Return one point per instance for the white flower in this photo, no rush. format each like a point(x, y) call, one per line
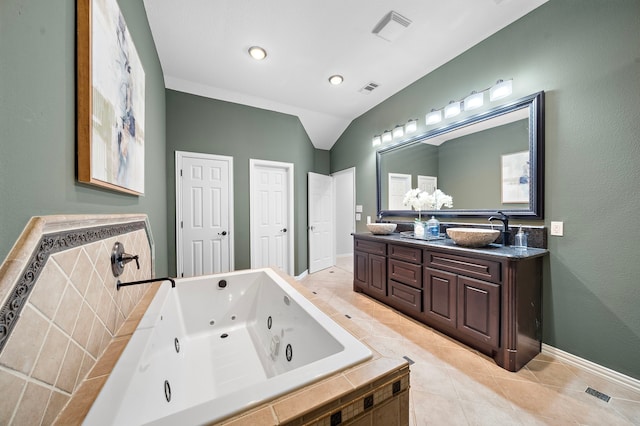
point(422, 200)
point(439, 199)
point(415, 199)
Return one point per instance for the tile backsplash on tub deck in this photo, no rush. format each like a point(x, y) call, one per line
point(60, 308)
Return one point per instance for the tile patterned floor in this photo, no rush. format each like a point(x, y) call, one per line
point(452, 384)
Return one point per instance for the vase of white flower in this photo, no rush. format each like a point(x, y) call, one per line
point(417, 200)
point(420, 200)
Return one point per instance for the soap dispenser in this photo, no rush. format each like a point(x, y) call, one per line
point(433, 227)
point(520, 240)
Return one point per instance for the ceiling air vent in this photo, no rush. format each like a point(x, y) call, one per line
point(369, 87)
point(391, 26)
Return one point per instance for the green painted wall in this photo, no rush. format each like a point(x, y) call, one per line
point(585, 54)
point(37, 122)
point(198, 124)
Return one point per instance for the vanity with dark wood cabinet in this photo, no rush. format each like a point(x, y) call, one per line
point(488, 298)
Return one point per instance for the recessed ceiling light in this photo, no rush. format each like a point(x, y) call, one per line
point(257, 53)
point(336, 79)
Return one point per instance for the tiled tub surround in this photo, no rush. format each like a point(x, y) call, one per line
point(61, 308)
point(371, 393)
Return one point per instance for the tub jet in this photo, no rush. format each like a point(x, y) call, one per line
point(167, 391)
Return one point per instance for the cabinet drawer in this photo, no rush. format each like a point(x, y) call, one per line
point(408, 254)
point(405, 272)
point(404, 297)
point(477, 268)
point(371, 247)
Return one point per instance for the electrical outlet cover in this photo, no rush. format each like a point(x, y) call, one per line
point(557, 229)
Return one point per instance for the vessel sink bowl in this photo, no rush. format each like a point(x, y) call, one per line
point(472, 237)
point(381, 228)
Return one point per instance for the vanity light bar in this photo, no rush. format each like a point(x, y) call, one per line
point(475, 100)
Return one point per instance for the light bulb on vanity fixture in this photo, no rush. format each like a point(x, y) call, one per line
point(473, 101)
point(434, 117)
point(500, 90)
point(398, 131)
point(377, 140)
point(411, 126)
point(452, 109)
point(387, 136)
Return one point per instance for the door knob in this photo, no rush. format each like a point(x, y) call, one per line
point(283, 230)
point(222, 233)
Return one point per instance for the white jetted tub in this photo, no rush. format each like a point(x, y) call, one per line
point(217, 345)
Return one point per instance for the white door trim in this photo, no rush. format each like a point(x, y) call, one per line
point(253, 163)
point(178, 162)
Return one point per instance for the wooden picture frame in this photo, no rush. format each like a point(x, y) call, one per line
point(110, 100)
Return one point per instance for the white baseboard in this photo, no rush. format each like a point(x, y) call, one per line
point(592, 367)
point(302, 275)
point(345, 255)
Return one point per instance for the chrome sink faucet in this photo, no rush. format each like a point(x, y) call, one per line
point(505, 226)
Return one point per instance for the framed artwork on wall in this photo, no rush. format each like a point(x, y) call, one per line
point(110, 100)
point(515, 177)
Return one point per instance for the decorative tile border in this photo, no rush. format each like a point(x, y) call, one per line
point(50, 244)
point(368, 402)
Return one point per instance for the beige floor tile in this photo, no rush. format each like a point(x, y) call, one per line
point(482, 413)
point(433, 409)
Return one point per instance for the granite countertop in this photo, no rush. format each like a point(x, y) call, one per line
point(493, 250)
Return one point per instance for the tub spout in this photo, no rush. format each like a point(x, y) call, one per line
point(152, 280)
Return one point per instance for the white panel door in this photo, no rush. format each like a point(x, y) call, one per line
point(399, 184)
point(204, 217)
point(271, 215)
point(321, 224)
point(428, 183)
point(344, 189)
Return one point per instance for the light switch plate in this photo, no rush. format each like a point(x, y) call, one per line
point(358, 208)
point(557, 229)
point(358, 216)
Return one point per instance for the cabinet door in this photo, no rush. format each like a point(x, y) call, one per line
point(360, 268)
point(479, 310)
point(439, 296)
point(378, 274)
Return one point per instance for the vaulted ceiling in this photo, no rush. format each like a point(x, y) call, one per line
point(203, 44)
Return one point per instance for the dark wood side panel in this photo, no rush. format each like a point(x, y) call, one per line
point(476, 268)
point(404, 272)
